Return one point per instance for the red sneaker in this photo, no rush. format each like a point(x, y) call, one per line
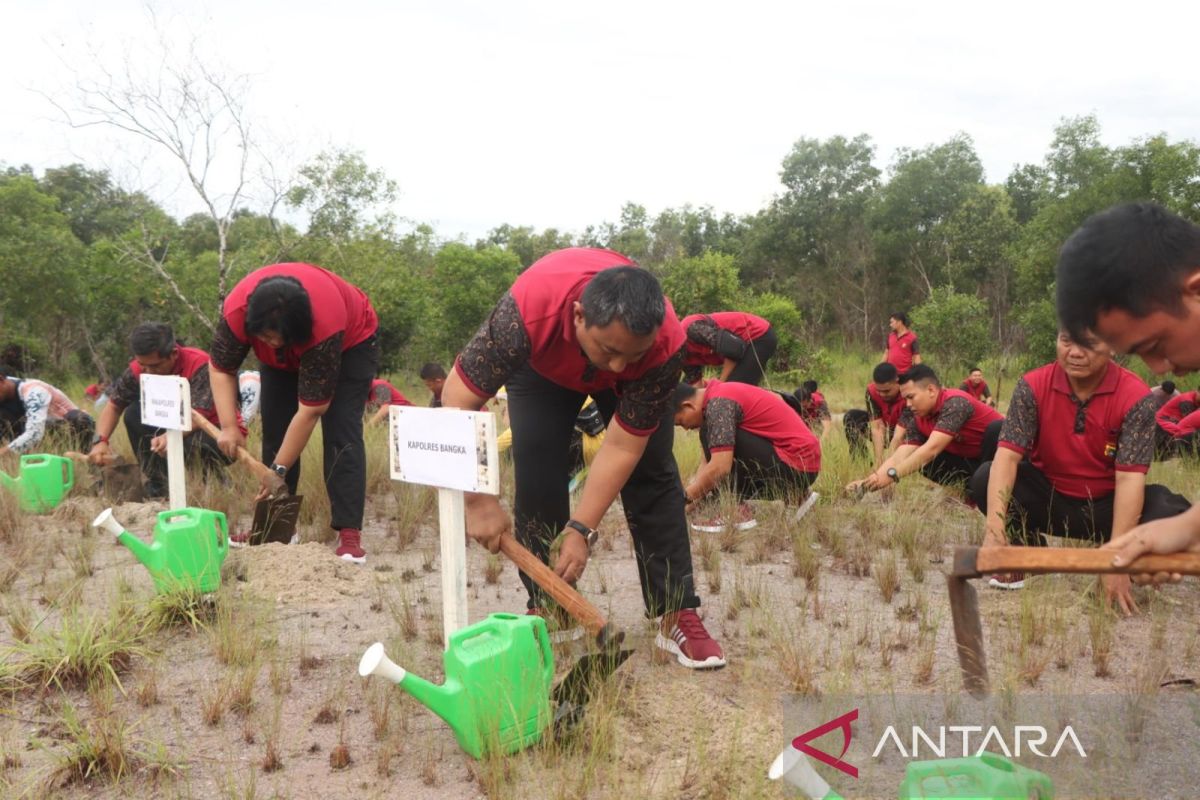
point(239, 539)
point(686, 638)
point(1007, 580)
point(350, 546)
point(743, 520)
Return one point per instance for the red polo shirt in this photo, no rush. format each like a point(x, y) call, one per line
point(337, 307)
point(746, 327)
point(815, 410)
point(950, 416)
point(763, 413)
point(901, 349)
point(1175, 410)
point(190, 363)
point(976, 390)
point(384, 394)
point(887, 411)
point(1042, 424)
point(544, 297)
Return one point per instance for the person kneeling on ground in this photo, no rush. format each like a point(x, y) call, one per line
point(1177, 424)
point(315, 336)
point(814, 410)
point(383, 395)
point(752, 436)
point(885, 404)
point(977, 387)
point(45, 409)
point(586, 321)
point(1072, 459)
point(739, 343)
point(155, 352)
point(947, 434)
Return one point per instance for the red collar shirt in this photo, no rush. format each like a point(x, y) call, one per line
point(729, 407)
point(882, 409)
point(190, 363)
point(1175, 410)
point(384, 394)
point(901, 349)
point(534, 324)
point(1078, 446)
point(958, 414)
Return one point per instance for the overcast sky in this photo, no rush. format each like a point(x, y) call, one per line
point(554, 114)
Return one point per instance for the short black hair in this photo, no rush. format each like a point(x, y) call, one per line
point(1168, 387)
point(1132, 257)
point(974, 369)
point(900, 317)
point(885, 373)
point(683, 392)
point(152, 337)
point(279, 304)
point(921, 373)
point(803, 393)
point(810, 385)
point(629, 295)
point(432, 371)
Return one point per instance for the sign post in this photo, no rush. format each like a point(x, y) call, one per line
point(456, 452)
point(167, 404)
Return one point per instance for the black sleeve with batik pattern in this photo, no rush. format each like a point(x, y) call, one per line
point(704, 332)
point(1135, 446)
point(1020, 426)
point(908, 421)
point(319, 368)
point(643, 402)
point(125, 390)
point(499, 348)
point(954, 414)
point(227, 353)
point(722, 417)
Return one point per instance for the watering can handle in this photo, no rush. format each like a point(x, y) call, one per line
point(223, 539)
point(69, 477)
point(572, 601)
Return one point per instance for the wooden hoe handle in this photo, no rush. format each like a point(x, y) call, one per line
point(563, 593)
point(977, 561)
point(243, 455)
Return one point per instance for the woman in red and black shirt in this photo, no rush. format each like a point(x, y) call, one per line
point(315, 335)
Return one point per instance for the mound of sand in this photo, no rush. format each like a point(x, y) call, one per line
point(299, 574)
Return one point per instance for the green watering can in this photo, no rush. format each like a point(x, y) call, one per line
point(189, 546)
point(983, 776)
point(496, 696)
point(43, 482)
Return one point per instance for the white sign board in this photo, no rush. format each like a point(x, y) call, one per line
point(166, 402)
point(446, 448)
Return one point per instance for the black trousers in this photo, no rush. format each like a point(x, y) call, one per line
point(758, 471)
point(1167, 446)
point(1035, 508)
point(753, 363)
point(857, 423)
point(947, 468)
point(77, 428)
point(198, 447)
point(345, 467)
point(542, 415)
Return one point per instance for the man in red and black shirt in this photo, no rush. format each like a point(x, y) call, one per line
point(977, 387)
point(882, 415)
point(1177, 424)
point(752, 435)
point(315, 336)
point(902, 349)
point(586, 321)
point(155, 352)
point(382, 395)
point(1073, 457)
point(739, 343)
point(947, 434)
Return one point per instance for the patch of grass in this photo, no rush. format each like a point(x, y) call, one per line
point(1101, 632)
point(103, 748)
point(85, 649)
point(806, 561)
point(887, 577)
point(240, 631)
point(493, 568)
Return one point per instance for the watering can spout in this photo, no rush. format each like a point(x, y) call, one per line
point(445, 701)
point(149, 555)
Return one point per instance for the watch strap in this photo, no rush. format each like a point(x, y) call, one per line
point(589, 534)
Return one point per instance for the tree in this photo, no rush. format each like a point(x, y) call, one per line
point(954, 330)
point(189, 110)
point(339, 191)
point(701, 285)
point(466, 283)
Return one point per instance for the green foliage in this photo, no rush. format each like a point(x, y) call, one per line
point(795, 356)
point(1039, 321)
point(466, 283)
point(954, 331)
point(701, 285)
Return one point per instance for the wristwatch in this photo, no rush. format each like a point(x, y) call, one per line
point(891, 473)
point(589, 534)
point(280, 470)
point(98, 439)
